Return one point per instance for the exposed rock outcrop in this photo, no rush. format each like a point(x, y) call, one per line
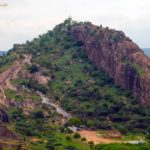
point(3, 115)
point(118, 56)
point(6, 134)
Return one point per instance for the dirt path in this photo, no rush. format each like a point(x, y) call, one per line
point(10, 74)
point(5, 78)
point(7, 75)
point(59, 110)
point(96, 138)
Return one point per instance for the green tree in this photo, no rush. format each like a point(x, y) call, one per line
point(75, 121)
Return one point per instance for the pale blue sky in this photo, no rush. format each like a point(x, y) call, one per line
point(25, 19)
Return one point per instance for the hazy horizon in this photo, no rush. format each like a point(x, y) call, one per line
point(25, 20)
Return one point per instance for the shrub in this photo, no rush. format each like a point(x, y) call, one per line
point(62, 129)
point(33, 69)
point(77, 135)
point(75, 121)
point(91, 143)
point(19, 147)
point(116, 37)
point(83, 139)
point(148, 137)
point(38, 114)
point(90, 123)
point(122, 129)
point(68, 138)
point(38, 87)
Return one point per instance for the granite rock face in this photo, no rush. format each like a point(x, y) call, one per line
point(118, 56)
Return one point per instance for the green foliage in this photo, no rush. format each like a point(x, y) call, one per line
point(148, 137)
point(70, 148)
point(6, 61)
point(15, 113)
point(32, 84)
point(136, 67)
point(123, 147)
point(116, 37)
point(38, 114)
point(33, 125)
point(57, 140)
point(11, 94)
point(91, 143)
point(75, 121)
point(83, 139)
point(77, 135)
point(33, 69)
point(18, 82)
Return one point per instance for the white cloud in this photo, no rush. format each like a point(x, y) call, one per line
point(26, 19)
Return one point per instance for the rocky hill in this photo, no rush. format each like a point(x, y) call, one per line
point(76, 74)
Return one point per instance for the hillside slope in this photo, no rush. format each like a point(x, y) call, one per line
point(77, 84)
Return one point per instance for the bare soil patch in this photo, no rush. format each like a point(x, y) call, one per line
point(96, 137)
